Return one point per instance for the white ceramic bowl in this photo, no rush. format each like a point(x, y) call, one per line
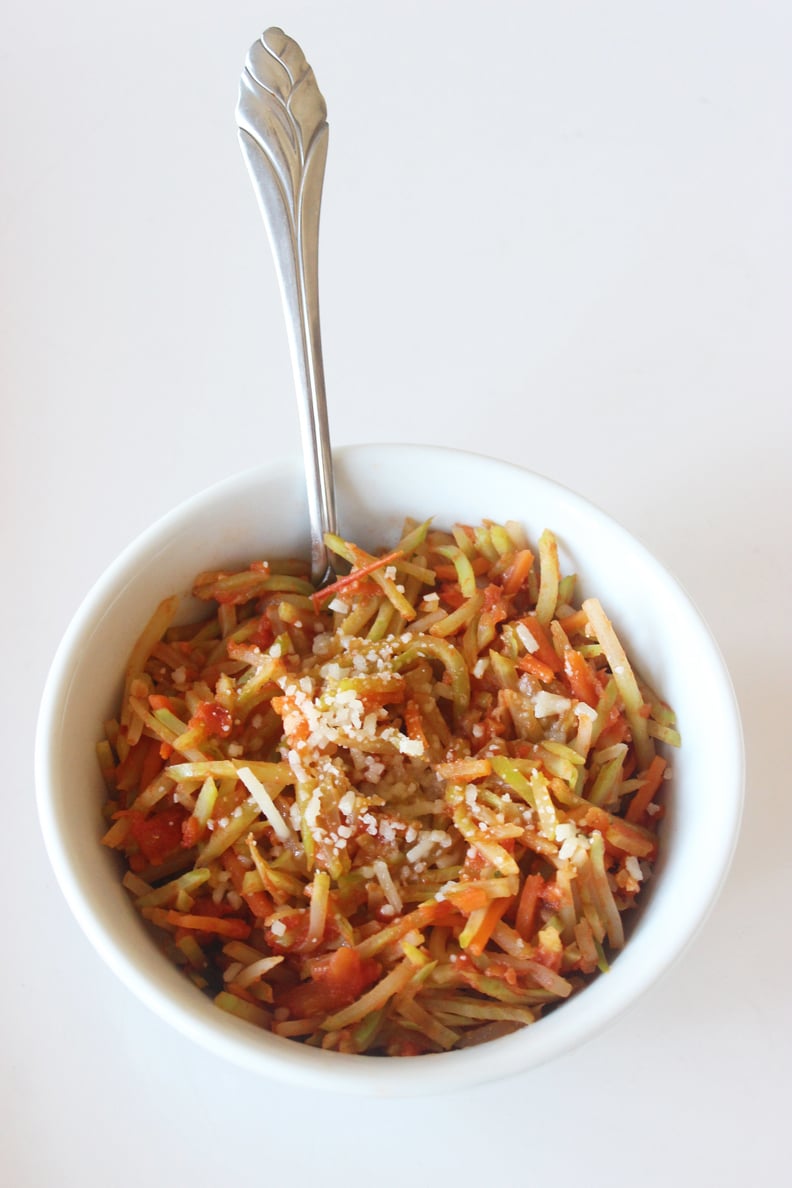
point(262, 513)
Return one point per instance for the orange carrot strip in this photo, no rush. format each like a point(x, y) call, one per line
point(574, 623)
point(495, 910)
point(160, 701)
point(433, 912)
point(152, 764)
point(464, 769)
point(237, 929)
point(321, 596)
point(467, 899)
point(127, 773)
point(579, 678)
point(192, 829)
point(645, 795)
point(537, 668)
point(260, 904)
point(525, 921)
point(517, 575)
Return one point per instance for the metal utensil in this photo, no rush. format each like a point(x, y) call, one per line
point(283, 131)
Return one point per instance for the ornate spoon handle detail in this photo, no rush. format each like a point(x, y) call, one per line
point(282, 120)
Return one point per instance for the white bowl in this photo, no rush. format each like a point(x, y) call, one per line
point(262, 513)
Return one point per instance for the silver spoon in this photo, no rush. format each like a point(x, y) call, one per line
point(282, 121)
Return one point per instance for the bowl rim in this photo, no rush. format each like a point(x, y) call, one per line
point(285, 1059)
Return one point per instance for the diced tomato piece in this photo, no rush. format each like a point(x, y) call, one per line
point(451, 595)
point(494, 605)
point(213, 718)
point(295, 934)
point(204, 905)
point(537, 668)
point(264, 635)
point(336, 981)
point(159, 835)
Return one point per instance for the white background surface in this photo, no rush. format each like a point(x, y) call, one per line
point(555, 233)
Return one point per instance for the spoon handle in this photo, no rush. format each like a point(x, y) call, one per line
point(282, 120)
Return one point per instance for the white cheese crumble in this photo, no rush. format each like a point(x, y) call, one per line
point(546, 705)
point(633, 867)
point(582, 710)
point(346, 804)
point(526, 638)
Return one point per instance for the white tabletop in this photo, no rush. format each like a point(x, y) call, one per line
point(559, 234)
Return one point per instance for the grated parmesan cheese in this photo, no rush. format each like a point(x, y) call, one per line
point(548, 705)
point(526, 638)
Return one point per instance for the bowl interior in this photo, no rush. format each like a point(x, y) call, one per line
point(262, 514)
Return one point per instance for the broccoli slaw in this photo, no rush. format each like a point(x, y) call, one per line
point(398, 815)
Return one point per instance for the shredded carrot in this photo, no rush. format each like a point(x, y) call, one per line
point(545, 650)
point(647, 792)
point(536, 667)
point(464, 769)
point(468, 899)
point(237, 929)
point(579, 678)
point(517, 575)
point(575, 623)
point(495, 910)
point(351, 579)
point(152, 763)
point(525, 920)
